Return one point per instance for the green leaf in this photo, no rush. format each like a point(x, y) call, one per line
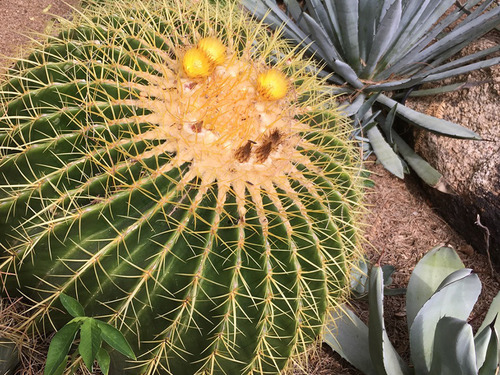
point(318, 11)
point(72, 305)
point(387, 271)
point(388, 123)
point(414, 34)
point(422, 168)
point(59, 347)
point(90, 342)
point(276, 18)
point(103, 360)
point(461, 70)
point(348, 21)
point(115, 339)
point(346, 72)
point(346, 334)
point(324, 42)
point(428, 122)
point(453, 348)
point(491, 359)
point(464, 60)
point(262, 11)
point(383, 38)
point(394, 291)
point(454, 298)
point(386, 360)
point(294, 9)
point(385, 153)
point(61, 368)
point(367, 29)
point(404, 83)
point(366, 108)
point(465, 32)
point(359, 277)
point(352, 108)
point(427, 276)
point(439, 90)
point(369, 120)
point(492, 314)
point(429, 16)
point(454, 277)
point(481, 342)
point(331, 12)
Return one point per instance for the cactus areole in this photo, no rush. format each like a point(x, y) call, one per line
point(177, 169)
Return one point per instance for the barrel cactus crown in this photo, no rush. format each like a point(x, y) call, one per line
point(175, 167)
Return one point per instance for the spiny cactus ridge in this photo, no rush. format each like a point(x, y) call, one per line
point(210, 216)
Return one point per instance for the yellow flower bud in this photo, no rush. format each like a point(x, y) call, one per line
point(196, 63)
point(272, 85)
point(214, 49)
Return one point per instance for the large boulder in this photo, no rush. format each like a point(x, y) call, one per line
point(471, 168)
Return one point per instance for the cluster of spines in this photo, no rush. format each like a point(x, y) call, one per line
point(71, 172)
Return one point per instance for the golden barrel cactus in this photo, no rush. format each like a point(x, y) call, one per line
point(178, 169)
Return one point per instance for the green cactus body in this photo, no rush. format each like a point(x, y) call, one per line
point(212, 224)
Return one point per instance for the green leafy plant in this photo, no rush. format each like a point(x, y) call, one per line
point(178, 170)
point(360, 284)
point(374, 47)
point(92, 334)
point(440, 297)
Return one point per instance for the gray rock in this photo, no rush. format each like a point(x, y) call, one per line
point(471, 168)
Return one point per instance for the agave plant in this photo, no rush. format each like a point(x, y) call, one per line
point(440, 296)
point(374, 47)
point(177, 170)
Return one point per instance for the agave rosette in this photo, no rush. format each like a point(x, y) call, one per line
point(376, 47)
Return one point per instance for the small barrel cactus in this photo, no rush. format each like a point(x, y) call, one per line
point(177, 168)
